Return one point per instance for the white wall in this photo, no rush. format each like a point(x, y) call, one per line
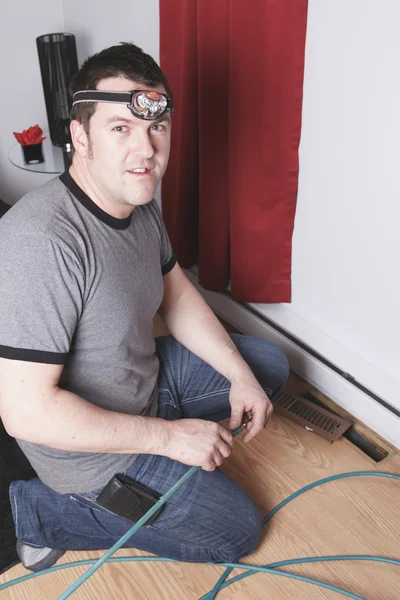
point(97, 26)
point(22, 102)
point(94, 28)
point(346, 250)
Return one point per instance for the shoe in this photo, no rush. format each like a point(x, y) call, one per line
point(37, 559)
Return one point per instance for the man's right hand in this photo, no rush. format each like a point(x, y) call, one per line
point(198, 443)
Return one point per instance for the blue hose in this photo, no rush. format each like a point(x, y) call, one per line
point(222, 582)
point(253, 568)
point(219, 585)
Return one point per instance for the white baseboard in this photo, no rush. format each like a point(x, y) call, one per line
point(355, 401)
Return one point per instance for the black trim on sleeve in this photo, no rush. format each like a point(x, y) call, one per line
point(88, 203)
point(170, 265)
point(38, 356)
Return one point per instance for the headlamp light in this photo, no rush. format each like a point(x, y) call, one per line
point(143, 104)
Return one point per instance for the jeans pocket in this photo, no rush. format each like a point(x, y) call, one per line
point(90, 495)
point(139, 467)
point(88, 501)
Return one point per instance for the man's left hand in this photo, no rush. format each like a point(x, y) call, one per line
point(251, 399)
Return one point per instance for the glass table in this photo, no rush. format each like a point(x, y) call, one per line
point(56, 160)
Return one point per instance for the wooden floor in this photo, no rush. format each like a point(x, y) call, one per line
point(353, 516)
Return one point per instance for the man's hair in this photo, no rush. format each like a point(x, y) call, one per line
point(125, 60)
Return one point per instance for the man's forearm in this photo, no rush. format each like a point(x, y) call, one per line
point(66, 421)
point(192, 322)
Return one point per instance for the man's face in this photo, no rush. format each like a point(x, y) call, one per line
point(119, 144)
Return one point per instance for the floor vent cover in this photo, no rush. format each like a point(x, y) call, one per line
point(319, 420)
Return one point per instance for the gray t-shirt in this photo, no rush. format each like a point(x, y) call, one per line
point(79, 287)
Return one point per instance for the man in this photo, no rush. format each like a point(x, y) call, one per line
point(84, 388)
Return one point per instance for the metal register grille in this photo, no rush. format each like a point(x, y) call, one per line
point(314, 418)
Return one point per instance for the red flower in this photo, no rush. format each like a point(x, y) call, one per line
point(33, 135)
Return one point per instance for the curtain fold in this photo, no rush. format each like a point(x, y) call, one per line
point(229, 193)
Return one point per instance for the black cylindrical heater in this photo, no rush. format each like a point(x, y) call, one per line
point(58, 62)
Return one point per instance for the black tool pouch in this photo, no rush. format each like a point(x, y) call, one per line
point(126, 498)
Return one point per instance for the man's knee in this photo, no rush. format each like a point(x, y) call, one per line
point(269, 364)
point(243, 536)
point(282, 367)
point(277, 367)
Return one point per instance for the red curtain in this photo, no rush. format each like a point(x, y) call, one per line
point(229, 193)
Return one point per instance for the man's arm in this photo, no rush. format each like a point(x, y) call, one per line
point(35, 409)
point(192, 322)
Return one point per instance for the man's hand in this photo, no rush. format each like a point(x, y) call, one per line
point(199, 443)
point(251, 399)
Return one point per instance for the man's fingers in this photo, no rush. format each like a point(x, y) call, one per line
point(236, 417)
point(226, 436)
point(214, 461)
point(270, 410)
point(257, 422)
point(225, 450)
point(218, 458)
point(208, 466)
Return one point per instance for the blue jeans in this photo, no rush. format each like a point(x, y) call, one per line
point(210, 518)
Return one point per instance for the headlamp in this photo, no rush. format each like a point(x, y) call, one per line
point(143, 104)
